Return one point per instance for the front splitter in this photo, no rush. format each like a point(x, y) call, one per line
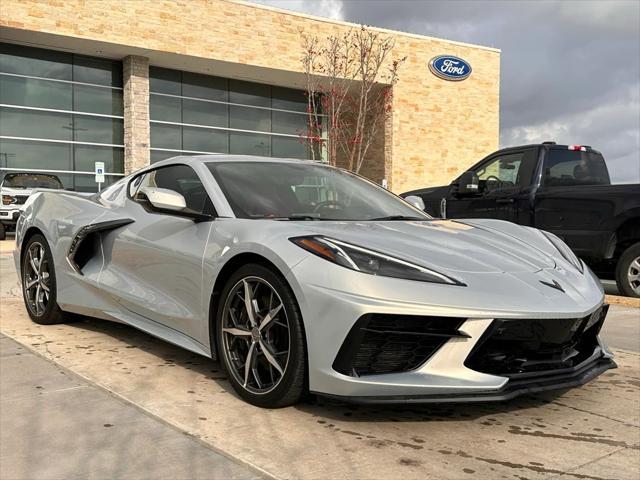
point(514, 388)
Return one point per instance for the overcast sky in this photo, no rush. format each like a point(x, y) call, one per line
point(570, 69)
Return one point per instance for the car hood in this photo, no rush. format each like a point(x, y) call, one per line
point(477, 246)
point(429, 192)
point(25, 192)
point(16, 191)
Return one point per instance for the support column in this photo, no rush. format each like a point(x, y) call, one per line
point(135, 72)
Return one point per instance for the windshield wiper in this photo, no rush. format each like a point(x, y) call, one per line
point(298, 217)
point(397, 217)
point(301, 216)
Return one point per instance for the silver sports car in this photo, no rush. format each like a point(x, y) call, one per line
point(300, 277)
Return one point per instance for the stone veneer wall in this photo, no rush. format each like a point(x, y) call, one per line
point(135, 71)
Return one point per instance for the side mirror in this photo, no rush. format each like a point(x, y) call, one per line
point(468, 184)
point(164, 199)
point(415, 201)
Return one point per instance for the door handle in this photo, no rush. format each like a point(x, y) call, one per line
point(505, 200)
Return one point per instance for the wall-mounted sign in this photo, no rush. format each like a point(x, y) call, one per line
point(449, 67)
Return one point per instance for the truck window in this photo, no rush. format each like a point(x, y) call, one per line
point(566, 168)
point(508, 170)
point(31, 180)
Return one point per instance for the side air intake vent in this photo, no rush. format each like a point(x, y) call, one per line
point(84, 244)
point(381, 343)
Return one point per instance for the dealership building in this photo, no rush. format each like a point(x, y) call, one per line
point(129, 83)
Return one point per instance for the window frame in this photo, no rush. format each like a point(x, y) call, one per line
point(75, 74)
point(174, 88)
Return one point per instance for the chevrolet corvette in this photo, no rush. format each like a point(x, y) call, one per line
point(300, 277)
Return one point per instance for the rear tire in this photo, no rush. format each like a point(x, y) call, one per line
point(628, 271)
point(261, 341)
point(39, 288)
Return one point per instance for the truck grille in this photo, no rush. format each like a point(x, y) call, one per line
point(20, 199)
point(380, 343)
point(536, 346)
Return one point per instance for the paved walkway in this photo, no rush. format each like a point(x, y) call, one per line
point(54, 425)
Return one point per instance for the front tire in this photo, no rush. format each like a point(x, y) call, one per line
point(39, 288)
point(628, 271)
point(3, 231)
point(260, 338)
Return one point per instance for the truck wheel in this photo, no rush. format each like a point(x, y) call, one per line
point(628, 271)
point(3, 234)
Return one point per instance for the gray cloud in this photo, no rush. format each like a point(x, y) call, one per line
point(570, 69)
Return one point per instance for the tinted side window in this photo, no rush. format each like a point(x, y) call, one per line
point(179, 178)
point(570, 167)
point(508, 170)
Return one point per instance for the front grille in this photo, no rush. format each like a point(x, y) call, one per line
point(20, 199)
point(536, 346)
point(380, 343)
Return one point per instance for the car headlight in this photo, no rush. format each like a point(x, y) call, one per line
point(565, 251)
point(368, 261)
point(8, 199)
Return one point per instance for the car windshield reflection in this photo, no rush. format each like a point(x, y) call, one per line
point(306, 192)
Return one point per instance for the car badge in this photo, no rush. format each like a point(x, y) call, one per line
point(555, 285)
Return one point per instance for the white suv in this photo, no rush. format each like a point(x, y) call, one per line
point(15, 189)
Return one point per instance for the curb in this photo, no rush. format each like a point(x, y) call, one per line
point(623, 301)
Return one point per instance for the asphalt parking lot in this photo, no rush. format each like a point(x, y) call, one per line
point(590, 433)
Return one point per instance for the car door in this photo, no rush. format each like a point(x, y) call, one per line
point(155, 263)
point(504, 188)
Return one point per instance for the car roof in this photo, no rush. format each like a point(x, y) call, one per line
point(549, 145)
point(224, 158)
point(248, 158)
point(191, 160)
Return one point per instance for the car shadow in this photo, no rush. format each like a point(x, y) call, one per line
point(326, 410)
point(166, 352)
point(426, 412)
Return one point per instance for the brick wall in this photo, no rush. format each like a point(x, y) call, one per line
point(438, 128)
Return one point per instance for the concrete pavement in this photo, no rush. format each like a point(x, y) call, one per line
point(55, 425)
point(592, 432)
point(622, 328)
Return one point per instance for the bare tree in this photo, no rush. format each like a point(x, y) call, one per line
point(350, 81)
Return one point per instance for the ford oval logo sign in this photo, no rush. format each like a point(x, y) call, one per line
point(449, 67)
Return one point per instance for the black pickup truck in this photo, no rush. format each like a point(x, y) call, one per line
point(564, 189)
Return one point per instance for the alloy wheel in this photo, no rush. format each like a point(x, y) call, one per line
point(633, 275)
point(256, 335)
point(36, 281)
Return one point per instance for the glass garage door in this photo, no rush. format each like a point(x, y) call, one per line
point(60, 113)
point(194, 114)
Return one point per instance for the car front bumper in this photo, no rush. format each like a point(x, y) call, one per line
point(9, 215)
point(333, 300)
point(513, 388)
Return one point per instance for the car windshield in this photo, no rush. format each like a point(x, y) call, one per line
point(28, 180)
point(306, 191)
